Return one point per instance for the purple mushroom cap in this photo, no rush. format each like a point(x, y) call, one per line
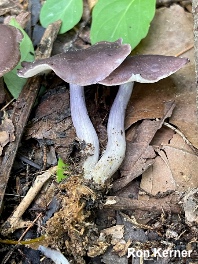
point(144, 69)
point(9, 48)
point(82, 67)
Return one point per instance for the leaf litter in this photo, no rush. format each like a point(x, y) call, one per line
point(168, 165)
point(158, 153)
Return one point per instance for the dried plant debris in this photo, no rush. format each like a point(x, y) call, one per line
point(11, 7)
point(120, 246)
point(169, 174)
point(191, 206)
point(139, 154)
point(166, 37)
point(72, 229)
point(168, 166)
point(15, 221)
point(52, 123)
point(6, 131)
point(69, 229)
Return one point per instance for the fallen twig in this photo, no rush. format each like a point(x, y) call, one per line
point(15, 221)
point(122, 203)
point(183, 137)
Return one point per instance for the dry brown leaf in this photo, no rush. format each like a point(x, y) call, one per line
point(139, 155)
point(185, 115)
point(120, 246)
point(6, 133)
point(52, 121)
point(162, 137)
point(175, 169)
point(183, 165)
point(158, 178)
point(117, 233)
point(171, 32)
point(147, 101)
point(190, 206)
point(4, 139)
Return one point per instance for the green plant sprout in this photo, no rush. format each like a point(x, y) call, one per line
point(111, 20)
point(62, 170)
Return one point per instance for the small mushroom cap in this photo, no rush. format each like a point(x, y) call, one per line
point(82, 67)
point(9, 48)
point(144, 69)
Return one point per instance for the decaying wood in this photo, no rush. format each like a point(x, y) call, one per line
point(46, 44)
point(23, 107)
point(122, 203)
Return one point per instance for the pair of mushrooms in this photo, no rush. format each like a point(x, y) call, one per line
point(9, 48)
point(105, 63)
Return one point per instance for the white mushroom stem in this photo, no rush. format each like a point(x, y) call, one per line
point(116, 146)
point(84, 127)
point(54, 255)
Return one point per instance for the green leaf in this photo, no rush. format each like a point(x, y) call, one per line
point(62, 167)
point(68, 11)
point(12, 80)
point(126, 19)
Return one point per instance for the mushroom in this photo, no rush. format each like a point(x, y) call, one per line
point(54, 255)
point(80, 68)
point(9, 48)
point(139, 68)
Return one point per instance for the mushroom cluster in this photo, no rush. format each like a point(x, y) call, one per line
point(9, 48)
point(105, 63)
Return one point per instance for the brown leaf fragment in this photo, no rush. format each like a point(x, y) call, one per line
point(51, 107)
point(158, 178)
point(52, 122)
point(191, 206)
point(6, 133)
point(185, 114)
point(162, 137)
point(184, 167)
point(147, 101)
point(121, 247)
point(174, 169)
point(4, 139)
point(166, 38)
point(117, 233)
point(139, 155)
